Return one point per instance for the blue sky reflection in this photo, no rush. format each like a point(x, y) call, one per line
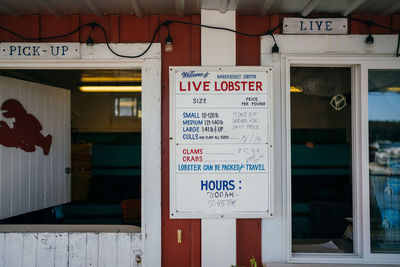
point(384, 106)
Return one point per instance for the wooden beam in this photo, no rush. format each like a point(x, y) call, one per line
point(137, 8)
point(309, 7)
point(355, 4)
point(233, 4)
point(223, 5)
point(50, 7)
point(180, 7)
point(391, 9)
point(6, 8)
point(266, 7)
point(94, 8)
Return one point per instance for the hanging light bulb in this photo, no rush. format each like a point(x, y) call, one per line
point(89, 40)
point(275, 53)
point(168, 44)
point(369, 41)
point(369, 44)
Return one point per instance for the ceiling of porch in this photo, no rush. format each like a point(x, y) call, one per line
point(182, 7)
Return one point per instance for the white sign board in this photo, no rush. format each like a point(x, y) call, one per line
point(40, 51)
point(221, 157)
point(315, 26)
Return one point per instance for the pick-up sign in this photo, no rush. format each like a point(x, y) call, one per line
point(39, 51)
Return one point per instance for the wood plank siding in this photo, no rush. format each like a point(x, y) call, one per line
point(118, 249)
point(69, 249)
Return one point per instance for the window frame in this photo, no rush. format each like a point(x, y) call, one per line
point(114, 96)
point(360, 172)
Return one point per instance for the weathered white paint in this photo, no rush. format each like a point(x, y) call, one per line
point(87, 252)
point(315, 26)
point(100, 51)
point(354, 45)
point(37, 51)
point(69, 249)
point(218, 48)
point(31, 180)
point(323, 51)
point(151, 162)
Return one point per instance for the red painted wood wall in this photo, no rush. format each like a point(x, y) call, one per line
point(129, 29)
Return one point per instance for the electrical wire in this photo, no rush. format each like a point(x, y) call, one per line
point(166, 23)
point(128, 56)
point(47, 37)
point(372, 23)
point(398, 46)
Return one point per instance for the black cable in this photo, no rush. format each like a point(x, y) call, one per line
point(398, 46)
point(372, 23)
point(269, 32)
point(126, 56)
point(47, 37)
point(166, 23)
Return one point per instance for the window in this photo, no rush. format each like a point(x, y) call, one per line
point(384, 159)
point(321, 168)
point(345, 157)
point(127, 107)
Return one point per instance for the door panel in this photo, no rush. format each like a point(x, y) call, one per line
point(34, 146)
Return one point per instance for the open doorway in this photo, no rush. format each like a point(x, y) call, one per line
point(106, 147)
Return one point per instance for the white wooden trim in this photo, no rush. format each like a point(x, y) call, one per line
point(339, 51)
point(363, 218)
point(218, 48)
point(356, 142)
point(313, 45)
point(360, 170)
point(99, 57)
point(151, 162)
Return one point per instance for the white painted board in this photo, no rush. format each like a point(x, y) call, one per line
point(220, 142)
point(30, 179)
point(315, 26)
point(69, 249)
point(29, 51)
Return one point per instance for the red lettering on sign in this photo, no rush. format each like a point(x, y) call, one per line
point(258, 86)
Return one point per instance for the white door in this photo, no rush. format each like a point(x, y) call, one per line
point(35, 146)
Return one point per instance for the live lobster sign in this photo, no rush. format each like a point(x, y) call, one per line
point(221, 148)
point(26, 131)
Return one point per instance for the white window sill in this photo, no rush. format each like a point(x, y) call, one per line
point(52, 228)
point(320, 265)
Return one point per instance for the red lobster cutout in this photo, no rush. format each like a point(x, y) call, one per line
point(26, 131)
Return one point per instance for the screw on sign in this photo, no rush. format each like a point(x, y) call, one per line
point(26, 131)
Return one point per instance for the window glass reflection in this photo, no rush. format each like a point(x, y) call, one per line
point(384, 159)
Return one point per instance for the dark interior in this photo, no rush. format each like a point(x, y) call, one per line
point(321, 160)
point(105, 165)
